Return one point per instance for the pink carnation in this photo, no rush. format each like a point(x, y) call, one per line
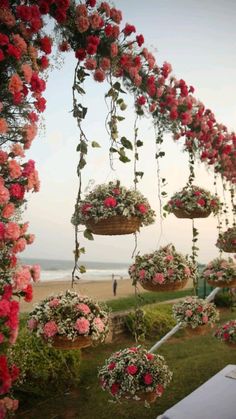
point(3, 126)
point(50, 329)
point(90, 64)
point(8, 210)
point(142, 273)
point(159, 278)
point(19, 245)
point(15, 84)
point(35, 272)
point(169, 258)
point(188, 313)
point(17, 150)
point(99, 75)
point(12, 231)
point(110, 202)
point(82, 325)
point(14, 169)
point(99, 324)
point(205, 319)
point(142, 208)
point(131, 369)
point(82, 24)
point(54, 303)
point(32, 324)
point(27, 72)
point(84, 308)
point(148, 379)
point(187, 271)
point(22, 278)
point(5, 307)
point(4, 195)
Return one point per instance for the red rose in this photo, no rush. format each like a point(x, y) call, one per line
point(13, 51)
point(148, 379)
point(111, 366)
point(80, 54)
point(140, 40)
point(110, 202)
point(132, 369)
point(115, 388)
point(129, 29)
point(141, 100)
point(40, 104)
point(142, 208)
point(37, 85)
point(85, 208)
point(46, 45)
point(201, 202)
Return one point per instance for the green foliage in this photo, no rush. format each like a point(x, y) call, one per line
point(44, 370)
point(158, 320)
point(223, 299)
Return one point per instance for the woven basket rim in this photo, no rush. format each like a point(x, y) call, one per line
point(62, 342)
point(222, 284)
point(114, 225)
point(196, 213)
point(164, 286)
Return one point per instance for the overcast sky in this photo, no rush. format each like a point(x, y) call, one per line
point(199, 39)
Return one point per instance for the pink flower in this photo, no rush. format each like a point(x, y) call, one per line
point(90, 64)
point(148, 379)
point(199, 309)
point(54, 303)
point(205, 319)
point(12, 231)
point(15, 84)
point(105, 64)
point(5, 307)
point(219, 274)
point(142, 208)
point(4, 195)
point(19, 245)
point(116, 15)
point(159, 278)
point(201, 202)
point(14, 169)
point(169, 258)
point(17, 150)
point(8, 210)
point(111, 366)
point(98, 323)
point(131, 369)
point(188, 313)
point(95, 21)
point(22, 278)
point(50, 329)
point(32, 324)
point(207, 272)
point(84, 308)
point(27, 71)
point(99, 75)
point(150, 357)
point(85, 208)
point(187, 271)
point(82, 325)
point(170, 272)
point(114, 50)
point(141, 100)
point(142, 274)
point(3, 126)
point(110, 202)
point(35, 272)
point(82, 24)
point(159, 389)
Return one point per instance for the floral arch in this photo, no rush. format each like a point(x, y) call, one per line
point(105, 49)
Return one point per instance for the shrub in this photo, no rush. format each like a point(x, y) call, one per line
point(44, 369)
point(223, 299)
point(158, 320)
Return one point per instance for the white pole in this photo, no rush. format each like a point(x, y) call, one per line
point(178, 325)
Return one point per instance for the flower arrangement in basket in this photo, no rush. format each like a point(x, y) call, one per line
point(227, 333)
point(163, 270)
point(195, 314)
point(221, 273)
point(227, 240)
point(134, 373)
point(193, 202)
point(113, 209)
point(69, 321)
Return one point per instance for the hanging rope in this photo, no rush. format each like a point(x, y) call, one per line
point(161, 182)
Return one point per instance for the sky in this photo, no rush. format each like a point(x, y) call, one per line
point(198, 38)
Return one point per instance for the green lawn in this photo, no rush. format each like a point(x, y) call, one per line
point(146, 298)
point(192, 361)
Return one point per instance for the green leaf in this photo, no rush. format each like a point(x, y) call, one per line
point(95, 144)
point(139, 174)
point(82, 269)
point(120, 118)
point(117, 86)
point(124, 159)
point(139, 143)
point(82, 146)
point(113, 150)
point(81, 164)
point(88, 235)
point(82, 250)
point(126, 143)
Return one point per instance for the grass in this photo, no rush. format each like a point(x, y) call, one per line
point(192, 360)
point(121, 304)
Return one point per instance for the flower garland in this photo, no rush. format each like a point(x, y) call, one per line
point(194, 312)
point(103, 47)
point(134, 372)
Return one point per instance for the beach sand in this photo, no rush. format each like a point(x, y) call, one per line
point(100, 290)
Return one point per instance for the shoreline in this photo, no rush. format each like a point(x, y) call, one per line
point(96, 289)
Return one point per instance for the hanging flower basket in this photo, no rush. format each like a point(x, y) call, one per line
point(69, 321)
point(196, 315)
point(116, 225)
point(227, 240)
point(163, 270)
point(134, 373)
point(221, 273)
point(227, 333)
point(113, 209)
point(193, 202)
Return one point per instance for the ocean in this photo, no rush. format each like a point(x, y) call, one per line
point(60, 270)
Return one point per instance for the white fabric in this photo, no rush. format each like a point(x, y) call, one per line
point(215, 399)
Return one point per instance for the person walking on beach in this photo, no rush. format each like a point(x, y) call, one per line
point(114, 287)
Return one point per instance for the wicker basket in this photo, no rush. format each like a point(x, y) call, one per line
point(198, 213)
point(114, 226)
point(222, 284)
point(61, 342)
point(198, 331)
point(149, 397)
point(169, 286)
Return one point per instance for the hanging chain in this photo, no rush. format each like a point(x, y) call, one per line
point(161, 182)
